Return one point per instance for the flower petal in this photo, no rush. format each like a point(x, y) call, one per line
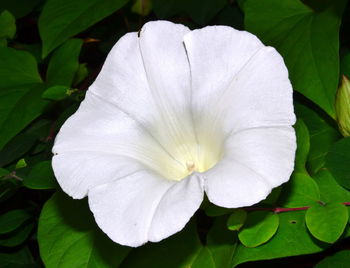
point(166, 63)
point(256, 160)
point(168, 74)
point(77, 172)
point(120, 116)
point(144, 207)
point(147, 77)
point(123, 82)
point(100, 143)
point(234, 74)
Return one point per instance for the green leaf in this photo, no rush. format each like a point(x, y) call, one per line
point(18, 259)
point(3, 172)
point(41, 177)
point(40, 128)
point(19, 8)
point(3, 42)
point(204, 259)
point(18, 68)
point(338, 260)
point(20, 92)
point(69, 237)
point(203, 11)
point(7, 25)
point(34, 49)
point(337, 161)
point(236, 219)
point(55, 93)
point(81, 73)
point(61, 19)
point(16, 237)
point(221, 243)
point(167, 253)
point(64, 63)
point(300, 191)
point(12, 220)
point(21, 164)
point(330, 190)
point(259, 228)
point(272, 198)
point(311, 55)
point(303, 146)
point(16, 148)
point(41, 147)
point(327, 222)
point(8, 187)
point(321, 133)
point(291, 239)
point(179, 250)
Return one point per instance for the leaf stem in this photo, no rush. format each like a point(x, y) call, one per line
point(279, 209)
point(12, 175)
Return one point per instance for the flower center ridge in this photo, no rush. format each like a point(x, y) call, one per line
point(184, 156)
point(181, 145)
point(194, 158)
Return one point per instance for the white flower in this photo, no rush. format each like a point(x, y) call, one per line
point(175, 113)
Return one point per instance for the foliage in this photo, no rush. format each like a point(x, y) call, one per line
point(52, 50)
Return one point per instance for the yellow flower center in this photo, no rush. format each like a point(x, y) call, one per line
point(187, 150)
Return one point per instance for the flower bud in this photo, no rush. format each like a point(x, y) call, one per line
point(342, 106)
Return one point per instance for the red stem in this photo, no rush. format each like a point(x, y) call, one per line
point(279, 210)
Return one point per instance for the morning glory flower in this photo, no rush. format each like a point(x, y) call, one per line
point(174, 114)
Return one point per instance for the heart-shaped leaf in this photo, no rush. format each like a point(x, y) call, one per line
point(259, 228)
point(327, 222)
